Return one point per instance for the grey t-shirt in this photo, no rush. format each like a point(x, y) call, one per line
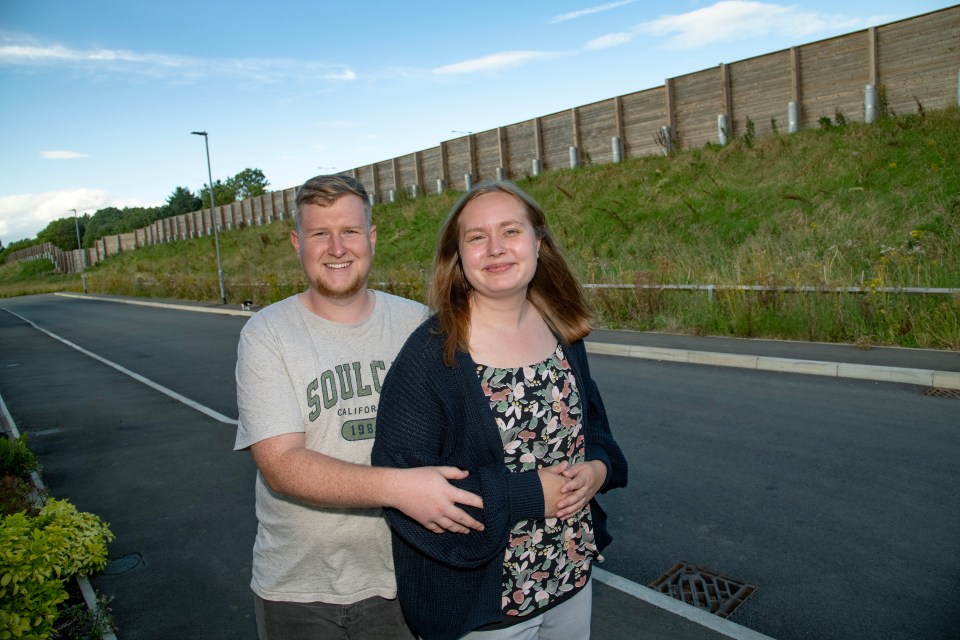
point(298, 372)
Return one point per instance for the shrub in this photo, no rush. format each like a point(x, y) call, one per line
point(16, 458)
point(36, 555)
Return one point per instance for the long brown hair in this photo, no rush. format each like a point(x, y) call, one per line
point(554, 291)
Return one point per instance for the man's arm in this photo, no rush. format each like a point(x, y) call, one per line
point(423, 493)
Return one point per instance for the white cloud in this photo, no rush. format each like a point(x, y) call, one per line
point(346, 75)
point(62, 155)
point(573, 15)
point(496, 62)
point(732, 20)
point(608, 41)
point(22, 216)
point(27, 53)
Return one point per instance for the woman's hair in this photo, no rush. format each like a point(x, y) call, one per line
point(325, 190)
point(554, 291)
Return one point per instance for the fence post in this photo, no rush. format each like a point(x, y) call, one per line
point(439, 185)
point(617, 149)
point(793, 117)
point(667, 141)
point(722, 129)
point(869, 104)
point(392, 194)
point(574, 158)
point(499, 174)
point(535, 166)
point(467, 181)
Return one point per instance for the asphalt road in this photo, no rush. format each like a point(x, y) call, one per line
point(836, 498)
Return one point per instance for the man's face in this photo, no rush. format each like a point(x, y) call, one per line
point(336, 247)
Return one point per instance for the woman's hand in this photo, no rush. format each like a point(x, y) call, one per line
point(583, 480)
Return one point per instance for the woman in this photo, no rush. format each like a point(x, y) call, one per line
point(497, 383)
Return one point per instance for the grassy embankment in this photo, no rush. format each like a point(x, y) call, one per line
point(850, 205)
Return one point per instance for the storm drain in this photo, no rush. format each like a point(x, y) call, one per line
point(703, 588)
point(123, 564)
point(939, 392)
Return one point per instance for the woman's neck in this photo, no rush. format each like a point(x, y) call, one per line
point(508, 333)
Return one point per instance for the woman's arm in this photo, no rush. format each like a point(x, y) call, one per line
point(429, 414)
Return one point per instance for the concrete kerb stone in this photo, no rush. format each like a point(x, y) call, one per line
point(925, 377)
point(886, 374)
point(165, 305)
point(946, 379)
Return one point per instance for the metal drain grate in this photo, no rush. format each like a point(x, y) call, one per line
point(703, 588)
point(123, 564)
point(940, 392)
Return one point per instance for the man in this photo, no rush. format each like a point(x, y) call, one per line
point(309, 371)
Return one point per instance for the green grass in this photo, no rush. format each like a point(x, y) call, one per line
point(855, 205)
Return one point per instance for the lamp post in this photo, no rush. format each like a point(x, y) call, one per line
point(213, 220)
point(83, 254)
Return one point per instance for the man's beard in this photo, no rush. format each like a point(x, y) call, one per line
point(337, 294)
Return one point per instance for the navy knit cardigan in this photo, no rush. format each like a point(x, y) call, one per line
point(430, 414)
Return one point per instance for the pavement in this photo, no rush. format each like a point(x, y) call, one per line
point(624, 609)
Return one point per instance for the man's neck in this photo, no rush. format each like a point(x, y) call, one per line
point(352, 310)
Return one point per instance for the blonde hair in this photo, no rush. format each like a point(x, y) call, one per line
point(554, 289)
point(327, 189)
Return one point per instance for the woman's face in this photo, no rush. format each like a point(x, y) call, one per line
point(498, 245)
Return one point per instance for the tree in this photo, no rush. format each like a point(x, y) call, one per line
point(248, 183)
point(180, 201)
point(222, 194)
point(63, 232)
point(103, 222)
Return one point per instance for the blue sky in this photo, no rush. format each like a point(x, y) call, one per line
point(98, 97)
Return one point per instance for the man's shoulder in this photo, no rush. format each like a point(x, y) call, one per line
point(404, 313)
point(277, 312)
point(404, 305)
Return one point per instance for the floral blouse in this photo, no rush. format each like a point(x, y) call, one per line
point(538, 411)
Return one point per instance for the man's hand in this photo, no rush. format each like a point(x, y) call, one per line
point(552, 481)
point(584, 479)
point(424, 494)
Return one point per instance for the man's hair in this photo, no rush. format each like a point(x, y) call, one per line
point(554, 290)
point(327, 189)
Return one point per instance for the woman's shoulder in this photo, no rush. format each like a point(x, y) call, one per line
point(425, 341)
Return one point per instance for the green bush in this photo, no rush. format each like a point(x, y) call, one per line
point(16, 458)
point(37, 554)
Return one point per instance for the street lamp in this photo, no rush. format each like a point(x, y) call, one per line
point(213, 220)
point(83, 254)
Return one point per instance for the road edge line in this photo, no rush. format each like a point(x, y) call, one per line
point(193, 404)
point(674, 606)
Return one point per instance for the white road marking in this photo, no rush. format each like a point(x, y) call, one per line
point(690, 612)
point(216, 415)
